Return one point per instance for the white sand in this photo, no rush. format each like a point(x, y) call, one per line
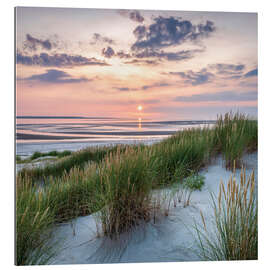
point(170, 239)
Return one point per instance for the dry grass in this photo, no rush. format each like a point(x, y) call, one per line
point(236, 223)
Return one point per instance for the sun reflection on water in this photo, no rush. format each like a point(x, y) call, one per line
point(139, 123)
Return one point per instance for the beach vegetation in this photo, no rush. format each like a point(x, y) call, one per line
point(235, 236)
point(117, 181)
point(235, 134)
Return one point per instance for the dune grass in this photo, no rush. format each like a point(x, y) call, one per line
point(66, 163)
point(51, 154)
point(182, 152)
point(235, 221)
point(126, 181)
point(34, 217)
point(233, 135)
point(39, 208)
point(37, 155)
point(117, 181)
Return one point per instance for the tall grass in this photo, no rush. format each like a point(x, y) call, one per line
point(34, 217)
point(117, 181)
point(233, 135)
point(178, 155)
point(51, 154)
point(236, 223)
point(126, 181)
point(38, 209)
point(65, 164)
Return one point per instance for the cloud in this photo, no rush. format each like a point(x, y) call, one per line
point(227, 69)
point(166, 32)
point(57, 60)
point(205, 75)
point(140, 31)
point(163, 33)
point(142, 57)
point(108, 52)
point(134, 15)
point(143, 88)
point(122, 54)
point(220, 96)
point(32, 43)
point(142, 62)
point(234, 77)
point(155, 85)
point(252, 73)
point(170, 56)
point(55, 76)
point(231, 71)
point(98, 38)
point(124, 89)
point(195, 78)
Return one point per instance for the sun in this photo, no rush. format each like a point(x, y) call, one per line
point(139, 107)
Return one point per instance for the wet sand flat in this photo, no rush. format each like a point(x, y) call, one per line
point(23, 136)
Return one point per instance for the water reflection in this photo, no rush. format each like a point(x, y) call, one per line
point(139, 123)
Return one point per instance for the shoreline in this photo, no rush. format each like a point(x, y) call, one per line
point(27, 136)
point(27, 148)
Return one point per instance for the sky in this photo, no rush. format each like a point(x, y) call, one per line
point(177, 65)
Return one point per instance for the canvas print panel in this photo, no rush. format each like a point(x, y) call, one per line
point(136, 136)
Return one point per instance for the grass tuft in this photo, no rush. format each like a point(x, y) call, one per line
point(126, 182)
point(235, 134)
point(236, 223)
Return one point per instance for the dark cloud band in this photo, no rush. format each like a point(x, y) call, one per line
point(166, 32)
point(98, 38)
point(134, 15)
point(57, 60)
point(55, 76)
point(252, 73)
point(195, 78)
point(32, 43)
point(108, 52)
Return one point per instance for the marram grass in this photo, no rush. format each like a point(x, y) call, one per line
point(126, 182)
point(235, 134)
point(235, 222)
point(117, 181)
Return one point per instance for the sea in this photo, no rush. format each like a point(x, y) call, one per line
point(48, 133)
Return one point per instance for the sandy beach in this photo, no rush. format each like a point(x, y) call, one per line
point(170, 239)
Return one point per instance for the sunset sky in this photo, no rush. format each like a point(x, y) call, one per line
point(105, 63)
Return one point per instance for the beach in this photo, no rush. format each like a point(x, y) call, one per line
point(170, 239)
point(137, 202)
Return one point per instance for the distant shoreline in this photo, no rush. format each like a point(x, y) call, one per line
point(25, 136)
point(60, 117)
